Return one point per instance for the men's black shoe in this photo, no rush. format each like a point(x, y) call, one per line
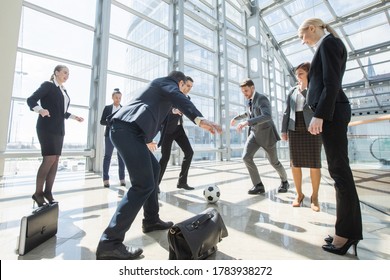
point(258, 189)
point(283, 187)
point(159, 225)
point(185, 186)
point(106, 185)
point(120, 253)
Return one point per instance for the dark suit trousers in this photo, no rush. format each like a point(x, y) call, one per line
point(181, 139)
point(143, 170)
point(108, 150)
point(334, 137)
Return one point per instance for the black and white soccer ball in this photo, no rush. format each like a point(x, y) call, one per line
point(211, 194)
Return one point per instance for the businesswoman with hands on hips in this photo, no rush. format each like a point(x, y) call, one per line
point(52, 110)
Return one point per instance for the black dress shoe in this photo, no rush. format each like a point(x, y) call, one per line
point(120, 253)
point(283, 187)
point(159, 225)
point(258, 189)
point(185, 186)
point(106, 185)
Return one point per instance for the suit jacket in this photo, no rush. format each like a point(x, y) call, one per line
point(325, 78)
point(52, 99)
point(260, 121)
point(152, 106)
point(288, 122)
point(170, 124)
point(103, 120)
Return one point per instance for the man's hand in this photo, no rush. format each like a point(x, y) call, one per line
point(210, 126)
point(241, 125)
point(177, 112)
point(315, 126)
point(284, 136)
point(152, 146)
point(233, 122)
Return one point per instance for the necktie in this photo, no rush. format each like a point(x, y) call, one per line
point(250, 105)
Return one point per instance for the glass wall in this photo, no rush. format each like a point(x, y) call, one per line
point(52, 33)
point(146, 39)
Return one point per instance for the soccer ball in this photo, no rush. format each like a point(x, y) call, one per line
point(211, 194)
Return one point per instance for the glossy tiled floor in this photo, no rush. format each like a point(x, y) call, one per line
point(260, 227)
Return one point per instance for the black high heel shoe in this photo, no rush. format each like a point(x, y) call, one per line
point(49, 197)
point(328, 239)
point(342, 250)
point(39, 200)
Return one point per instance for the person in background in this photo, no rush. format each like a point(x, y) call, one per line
point(305, 148)
point(133, 127)
point(262, 133)
point(173, 130)
point(108, 146)
point(53, 110)
point(332, 113)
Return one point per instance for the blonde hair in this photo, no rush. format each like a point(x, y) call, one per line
point(57, 68)
point(318, 23)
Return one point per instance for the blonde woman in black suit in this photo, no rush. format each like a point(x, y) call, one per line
point(52, 110)
point(305, 148)
point(332, 113)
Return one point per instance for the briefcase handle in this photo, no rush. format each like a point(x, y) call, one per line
point(195, 224)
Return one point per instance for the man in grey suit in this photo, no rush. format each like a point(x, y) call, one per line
point(131, 129)
point(262, 134)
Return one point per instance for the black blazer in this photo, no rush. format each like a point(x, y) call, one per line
point(325, 78)
point(151, 107)
point(51, 99)
point(171, 121)
point(103, 121)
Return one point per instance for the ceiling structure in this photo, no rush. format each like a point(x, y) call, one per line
point(364, 27)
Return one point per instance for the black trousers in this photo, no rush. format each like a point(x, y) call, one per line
point(143, 168)
point(335, 141)
point(181, 139)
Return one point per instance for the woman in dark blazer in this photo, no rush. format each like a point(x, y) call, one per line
point(108, 146)
point(332, 113)
point(52, 110)
point(305, 148)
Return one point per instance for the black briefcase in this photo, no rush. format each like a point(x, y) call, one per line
point(38, 227)
point(196, 238)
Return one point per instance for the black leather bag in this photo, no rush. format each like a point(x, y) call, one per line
point(196, 238)
point(38, 227)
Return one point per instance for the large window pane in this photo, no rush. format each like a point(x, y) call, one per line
point(198, 32)
point(155, 9)
point(198, 56)
point(48, 35)
point(138, 30)
point(74, 9)
point(136, 62)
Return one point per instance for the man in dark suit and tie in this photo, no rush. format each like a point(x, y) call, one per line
point(132, 128)
point(173, 130)
point(108, 146)
point(262, 133)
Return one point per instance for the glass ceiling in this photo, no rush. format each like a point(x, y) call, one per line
point(363, 25)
